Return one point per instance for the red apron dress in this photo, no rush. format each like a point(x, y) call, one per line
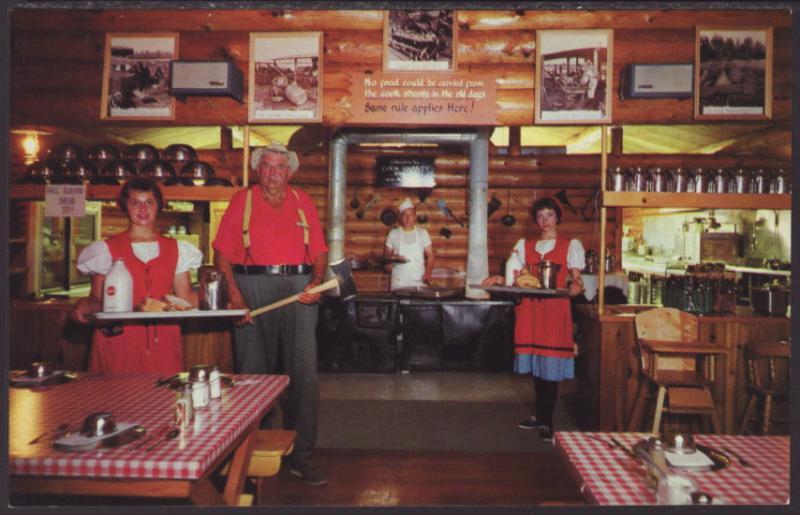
point(544, 325)
point(142, 347)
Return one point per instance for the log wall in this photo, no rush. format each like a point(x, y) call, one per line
point(57, 55)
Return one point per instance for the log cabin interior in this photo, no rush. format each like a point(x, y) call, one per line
point(59, 60)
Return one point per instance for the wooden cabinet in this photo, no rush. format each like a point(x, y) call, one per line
point(606, 366)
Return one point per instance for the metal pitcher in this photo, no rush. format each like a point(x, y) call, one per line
point(616, 179)
point(658, 178)
point(547, 273)
point(700, 178)
point(760, 182)
point(680, 180)
point(719, 182)
point(639, 179)
point(213, 288)
point(742, 180)
point(781, 182)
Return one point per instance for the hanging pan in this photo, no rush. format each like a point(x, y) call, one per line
point(508, 220)
point(389, 216)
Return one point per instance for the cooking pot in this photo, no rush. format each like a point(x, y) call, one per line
point(179, 153)
point(65, 152)
point(141, 154)
point(616, 179)
point(771, 301)
point(197, 171)
point(102, 154)
point(159, 170)
point(389, 216)
point(445, 232)
point(547, 273)
point(99, 424)
point(508, 220)
point(42, 172)
point(494, 205)
point(119, 170)
point(425, 292)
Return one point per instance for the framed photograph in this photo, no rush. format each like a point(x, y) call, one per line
point(285, 77)
point(420, 39)
point(573, 76)
point(734, 74)
point(136, 76)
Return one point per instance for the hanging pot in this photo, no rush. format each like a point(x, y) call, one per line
point(389, 216)
point(494, 205)
point(354, 204)
point(445, 232)
point(509, 219)
point(422, 219)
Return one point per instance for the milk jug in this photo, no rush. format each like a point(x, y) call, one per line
point(118, 289)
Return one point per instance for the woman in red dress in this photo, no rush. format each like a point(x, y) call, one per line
point(158, 266)
point(543, 342)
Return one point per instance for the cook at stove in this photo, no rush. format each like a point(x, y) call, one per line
point(414, 245)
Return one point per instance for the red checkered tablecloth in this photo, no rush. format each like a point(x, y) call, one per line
point(610, 476)
point(132, 398)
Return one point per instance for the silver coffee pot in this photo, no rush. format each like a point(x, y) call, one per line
point(547, 273)
point(680, 180)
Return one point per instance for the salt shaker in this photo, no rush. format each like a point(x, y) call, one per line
point(200, 394)
point(214, 383)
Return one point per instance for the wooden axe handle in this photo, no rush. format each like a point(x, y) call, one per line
point(327, 285)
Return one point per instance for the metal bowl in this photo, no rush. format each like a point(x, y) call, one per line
point(141, 154)
point(159, 170)
point(42, 171)
point(121, 169)
point(78, 171)
point(199, 373)
point(40, 369)
point(65, 152)
point(99, 424)
point(179, 153)
point(679, 443)
point(102, 154)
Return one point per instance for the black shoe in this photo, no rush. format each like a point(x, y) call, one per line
point(307, 470)
point(545, 433)
point(528, 423)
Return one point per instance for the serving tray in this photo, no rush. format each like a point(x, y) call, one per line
point(167, 315)
point(76, 442)
point(524, 292)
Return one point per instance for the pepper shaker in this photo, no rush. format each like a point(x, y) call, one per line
point(214, 383)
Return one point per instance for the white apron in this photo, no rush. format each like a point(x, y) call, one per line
point(405, 275)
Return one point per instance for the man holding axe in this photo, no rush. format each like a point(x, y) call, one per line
point(270, 246)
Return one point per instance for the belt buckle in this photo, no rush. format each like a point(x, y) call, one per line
point(283, 269)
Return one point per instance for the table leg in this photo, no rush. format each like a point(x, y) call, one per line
point(205, 494)
point(240, 464)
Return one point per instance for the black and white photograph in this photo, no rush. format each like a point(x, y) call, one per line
point(734, 73)
point(285, 72)
point(419, 40)
point(573, 83)
point(136, 76)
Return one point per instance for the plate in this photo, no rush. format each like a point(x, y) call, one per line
point(23, 380)
point(76, 442)
point(166, 315)
point(392, 259)
point(524, 292)
point(720, 460)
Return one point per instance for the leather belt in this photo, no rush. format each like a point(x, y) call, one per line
point(272, 269)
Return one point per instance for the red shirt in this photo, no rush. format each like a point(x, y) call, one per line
point(276, 238)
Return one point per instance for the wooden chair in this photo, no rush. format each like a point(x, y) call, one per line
point(265, 461)
point(672, 361)
point(767, 365)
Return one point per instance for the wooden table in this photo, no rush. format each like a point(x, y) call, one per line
point(178, 468)
point(609, 476)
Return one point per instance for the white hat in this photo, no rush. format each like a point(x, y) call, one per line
point(406, 204)
point(276, 148)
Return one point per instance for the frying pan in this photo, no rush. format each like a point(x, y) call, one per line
point(389, 216)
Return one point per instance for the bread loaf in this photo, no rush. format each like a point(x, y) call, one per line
point(527, 280)
point(149, 305)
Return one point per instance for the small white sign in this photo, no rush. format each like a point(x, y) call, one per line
point(65, 200)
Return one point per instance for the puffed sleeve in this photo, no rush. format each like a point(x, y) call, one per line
point(516, 261)
point(425, 238)
point(576, 256)
point(95, 258)
point(391, 240)
point(189, 257)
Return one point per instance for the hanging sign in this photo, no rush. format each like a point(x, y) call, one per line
point(423, 98)
point(404, 171)
point(65, 200)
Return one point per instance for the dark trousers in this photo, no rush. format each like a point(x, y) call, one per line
point(546, 396)
point(291, 330)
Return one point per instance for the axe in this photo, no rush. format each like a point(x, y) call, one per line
point(342, 277)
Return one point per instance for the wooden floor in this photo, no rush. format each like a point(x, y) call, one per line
point(428, 478)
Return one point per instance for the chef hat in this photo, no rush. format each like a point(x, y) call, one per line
point(406, 204)
point(275, 148)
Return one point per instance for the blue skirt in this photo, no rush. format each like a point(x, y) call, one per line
point(543, 367)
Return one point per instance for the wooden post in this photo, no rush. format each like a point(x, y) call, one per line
point(616, 141)
point(601, 278)
point(514, 140)
point(225, 138)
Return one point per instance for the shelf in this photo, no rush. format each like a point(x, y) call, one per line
point(36, 192)
point(697, 200)
point(17, 241)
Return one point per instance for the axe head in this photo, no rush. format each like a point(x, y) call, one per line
point(344, 276)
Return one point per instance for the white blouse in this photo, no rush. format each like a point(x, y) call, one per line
point(576, 256)
point(96, 257)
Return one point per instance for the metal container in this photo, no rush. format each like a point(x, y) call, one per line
point(761, 182)
point(39, 369)
point(680, 180)
point(639, 180)
point(771, 301)
point(780, 183)
point(141, 154)
point(617, 179)
point(742, 180)
point(659, 180)
point(98, 424)
point(547, 274)
point(700, 179)
point(719, 182)
point(213, 288)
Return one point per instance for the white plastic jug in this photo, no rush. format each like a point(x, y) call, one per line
point(118, 289)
